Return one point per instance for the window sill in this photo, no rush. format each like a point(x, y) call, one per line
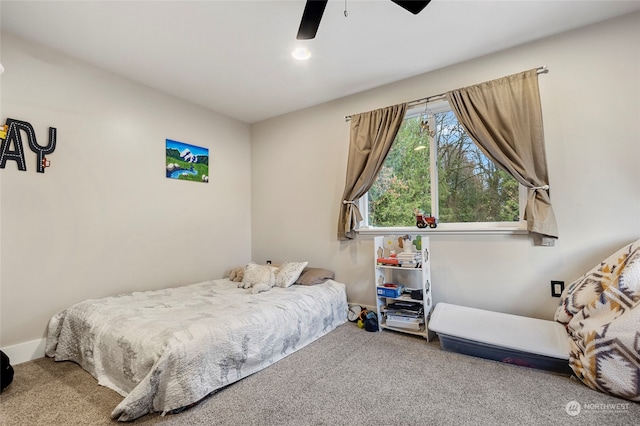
point(513, 228)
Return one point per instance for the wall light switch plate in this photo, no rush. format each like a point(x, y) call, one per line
point(556, 288)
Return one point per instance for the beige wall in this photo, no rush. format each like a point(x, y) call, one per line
point(591, 107)
point(103, 219)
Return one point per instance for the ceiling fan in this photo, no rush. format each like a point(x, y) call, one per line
point(314, 9)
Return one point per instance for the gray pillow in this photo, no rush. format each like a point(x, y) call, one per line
point(312, 276)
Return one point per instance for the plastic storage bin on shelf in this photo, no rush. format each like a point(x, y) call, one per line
point(390, 290)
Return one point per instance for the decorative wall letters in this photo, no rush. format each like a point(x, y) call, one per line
point(10, 134)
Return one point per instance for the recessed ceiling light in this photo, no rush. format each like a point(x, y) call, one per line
point(301, 53)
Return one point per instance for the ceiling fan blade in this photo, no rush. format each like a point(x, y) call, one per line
point(414, 7)
point(311, 17)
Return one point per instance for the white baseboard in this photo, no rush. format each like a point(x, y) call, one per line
point(27, 351)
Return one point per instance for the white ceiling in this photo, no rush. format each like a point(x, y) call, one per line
point(234, 57)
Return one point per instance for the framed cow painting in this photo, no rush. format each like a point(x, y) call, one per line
point(187, 162)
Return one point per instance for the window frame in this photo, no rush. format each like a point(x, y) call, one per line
point(454, 228)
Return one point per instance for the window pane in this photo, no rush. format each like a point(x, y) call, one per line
point(471, 188)
point(404, 181)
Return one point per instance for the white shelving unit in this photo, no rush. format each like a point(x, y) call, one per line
point(417, 277)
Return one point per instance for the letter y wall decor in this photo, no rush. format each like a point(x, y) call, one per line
point(11, 145)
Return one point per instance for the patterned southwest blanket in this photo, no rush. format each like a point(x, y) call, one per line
point(167, 349)
point(602, 315)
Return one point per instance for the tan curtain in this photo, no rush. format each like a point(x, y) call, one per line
point(372, 134)
point(504, 118)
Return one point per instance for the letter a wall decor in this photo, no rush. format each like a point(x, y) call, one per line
point(11, 145)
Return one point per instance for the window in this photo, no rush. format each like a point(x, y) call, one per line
point(435, 167)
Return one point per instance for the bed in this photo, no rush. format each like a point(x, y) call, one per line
point(167, 349)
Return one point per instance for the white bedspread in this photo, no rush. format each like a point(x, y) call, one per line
point(166, 349)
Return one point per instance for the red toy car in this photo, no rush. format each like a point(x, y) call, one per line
point(422, 220)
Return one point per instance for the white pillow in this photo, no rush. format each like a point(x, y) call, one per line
point(258, 274)
point(288, 273)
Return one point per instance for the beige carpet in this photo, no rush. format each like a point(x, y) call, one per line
point(348, 377)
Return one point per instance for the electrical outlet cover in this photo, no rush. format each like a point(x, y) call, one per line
point(557, 287)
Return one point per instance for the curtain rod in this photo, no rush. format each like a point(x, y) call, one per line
point(541, 70)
